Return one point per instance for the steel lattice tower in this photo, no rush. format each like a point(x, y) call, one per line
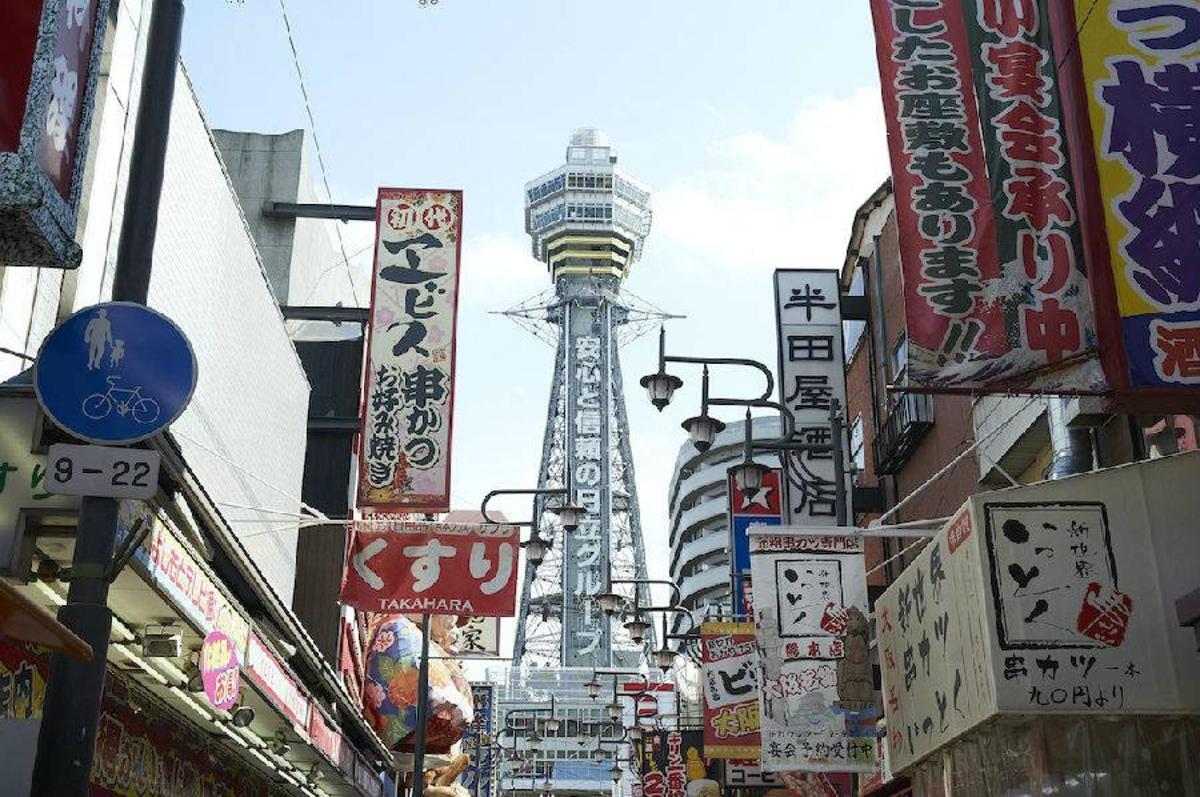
point(587, 220)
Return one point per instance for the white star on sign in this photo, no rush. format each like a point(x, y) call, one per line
point(760, 498)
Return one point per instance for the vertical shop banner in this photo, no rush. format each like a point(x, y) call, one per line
point(673, 765)
point(995, 287)
point(431, 568)
point(1141, 63)
point(408, 408)
point(766, 507)
point(478, 637)
point(1046, 303)
point(729, 674)
point(813, 715)
point(477, 743)
point(1048, 599)
point(812, 375)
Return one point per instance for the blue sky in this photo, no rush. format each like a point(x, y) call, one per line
point(757, 126)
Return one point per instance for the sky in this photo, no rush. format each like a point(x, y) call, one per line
point(757, 125)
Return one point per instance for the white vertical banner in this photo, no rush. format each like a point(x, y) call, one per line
point(408, 405)
point(812, 375)
point(805, 584)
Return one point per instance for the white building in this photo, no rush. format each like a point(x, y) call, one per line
point(699, 508)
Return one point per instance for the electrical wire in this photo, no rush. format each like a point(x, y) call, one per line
point(312, 123)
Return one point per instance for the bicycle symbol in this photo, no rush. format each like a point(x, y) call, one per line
point(124, 400)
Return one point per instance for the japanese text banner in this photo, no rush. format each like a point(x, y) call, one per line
point(431, 568)
point(994, 286)
point(817, 698)
point(730, 685)
point(1141, 64)
point(408, 403)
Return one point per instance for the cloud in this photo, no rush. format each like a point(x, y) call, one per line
point(498, 271)
point(764, 202)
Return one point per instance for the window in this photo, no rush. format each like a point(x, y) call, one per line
point(857, 450)
point(898, 362)
point(854, 329)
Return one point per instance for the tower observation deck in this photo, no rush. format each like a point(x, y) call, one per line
point(587, 221)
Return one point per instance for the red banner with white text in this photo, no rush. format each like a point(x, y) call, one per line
point(432, 568)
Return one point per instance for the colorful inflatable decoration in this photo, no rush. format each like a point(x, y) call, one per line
point(390, 692)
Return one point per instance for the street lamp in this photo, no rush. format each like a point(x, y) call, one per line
point(609, 601)
point(536, 549)
point(614, 708)
point(635, 732)
point(593, 686)
point(749, 476)
point(615, 772)
point(637, 628)
point(534, 742)
point(569, 514)
point(664, 657)
point(553, 724)
point(703, 428)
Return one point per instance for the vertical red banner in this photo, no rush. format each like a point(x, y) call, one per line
point(943, 202)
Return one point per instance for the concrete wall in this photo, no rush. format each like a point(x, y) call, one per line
point(302, 264)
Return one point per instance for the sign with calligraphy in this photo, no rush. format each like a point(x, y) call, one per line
point(478, 637)
point(49, 70)
point(818, 714)
point(409, 394)
point(219, 671)
point(766, 507)
point(1044, 599)
point(812, 376)
point(995, 291)
point(1140, 63)
point(142, 749)
point(431, 568)
point(480, 775)
point(729, 674)
point(673, 765)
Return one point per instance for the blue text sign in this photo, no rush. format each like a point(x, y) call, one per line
point(115, 373)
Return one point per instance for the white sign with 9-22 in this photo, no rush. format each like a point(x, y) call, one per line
point(102, 471)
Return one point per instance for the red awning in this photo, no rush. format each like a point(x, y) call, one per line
point(21, 618)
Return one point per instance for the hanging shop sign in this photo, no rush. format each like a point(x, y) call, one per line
point(673, 765)
point(766, 507)
point(48, 76)
point(994, 282)
point(432, 568)
point(268, 673)
point(812, 376)
point(325, 737)
point(479, 776)
point(729, 672)
point(478, 637)
point(408, 410)
point(219, 671)
point(817, 707)
point(169, 565)
point(1139, 62)
point(1045, 599)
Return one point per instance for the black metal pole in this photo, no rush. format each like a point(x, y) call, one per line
point(839, 467)
point(71, 712)
point(422, 711)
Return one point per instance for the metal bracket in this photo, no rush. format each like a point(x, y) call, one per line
point(124, 554)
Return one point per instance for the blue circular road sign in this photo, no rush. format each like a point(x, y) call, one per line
point(115, 373)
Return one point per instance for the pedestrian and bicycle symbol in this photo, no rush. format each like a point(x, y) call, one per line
point(115, 373)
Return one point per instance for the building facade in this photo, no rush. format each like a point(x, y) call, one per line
point(699, 525)
point(220, 549)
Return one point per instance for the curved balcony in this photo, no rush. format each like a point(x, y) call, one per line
point(699, 582)
point(717, 506)
point(689, 552)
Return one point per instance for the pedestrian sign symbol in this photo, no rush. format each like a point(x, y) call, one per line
point(115, 373)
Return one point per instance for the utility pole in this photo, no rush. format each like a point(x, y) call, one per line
point(71, 711)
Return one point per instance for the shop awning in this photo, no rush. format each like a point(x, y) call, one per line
point(21, 618)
